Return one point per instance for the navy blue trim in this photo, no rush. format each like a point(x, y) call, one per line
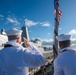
point(8, 45)
point(64, 50)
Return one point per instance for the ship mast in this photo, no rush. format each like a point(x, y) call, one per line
point(55, 45)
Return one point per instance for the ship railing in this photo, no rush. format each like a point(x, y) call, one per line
point(43, 70)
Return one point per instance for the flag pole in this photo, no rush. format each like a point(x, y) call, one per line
point(55, 45)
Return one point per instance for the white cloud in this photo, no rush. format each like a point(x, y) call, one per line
point(47, 24)
point(30, 23)
point(47, 40)
point(73, 36)
point(73, 39)
point(10, 20)
point(13, 20)
point(73, 32)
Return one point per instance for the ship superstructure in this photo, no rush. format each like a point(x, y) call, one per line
point(47, 52)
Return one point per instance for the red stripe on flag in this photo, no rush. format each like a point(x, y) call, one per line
point(59, 11)
point(59, 14)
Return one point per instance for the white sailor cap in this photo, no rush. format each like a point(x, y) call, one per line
point(63, 37)
point(13, 31)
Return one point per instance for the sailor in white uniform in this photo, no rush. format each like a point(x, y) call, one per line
point(15, 59)
point(65, 63)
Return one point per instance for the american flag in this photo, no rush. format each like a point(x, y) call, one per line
point(59, 11)
point(59, 14)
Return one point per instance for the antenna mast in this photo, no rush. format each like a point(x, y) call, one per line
point(57, 19)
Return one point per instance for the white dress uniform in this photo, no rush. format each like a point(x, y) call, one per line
point(15, 59)
point(65, 63)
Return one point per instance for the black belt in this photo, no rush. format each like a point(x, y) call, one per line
point(8, 45)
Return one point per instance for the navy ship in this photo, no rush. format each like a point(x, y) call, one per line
point(46, 51)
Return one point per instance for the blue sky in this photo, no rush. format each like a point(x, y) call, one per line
point(38, 16)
